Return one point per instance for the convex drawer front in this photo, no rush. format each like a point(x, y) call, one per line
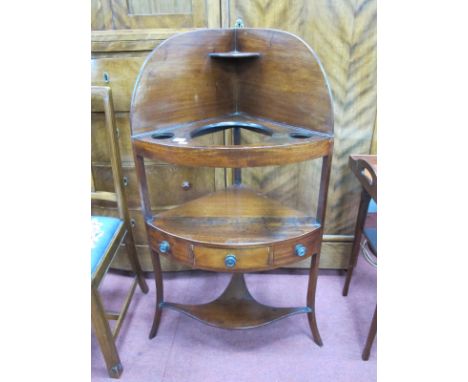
point(231, 259)
point(234, 259)
point(169, 185)
point(302, 248)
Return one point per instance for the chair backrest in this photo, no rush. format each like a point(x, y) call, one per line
point(367, 177)
point(104, 94)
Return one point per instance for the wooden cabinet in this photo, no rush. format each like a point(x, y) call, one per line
point(342, 33)
point(143, 14)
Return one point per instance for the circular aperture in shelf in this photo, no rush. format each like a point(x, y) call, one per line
point(162, 135)
point(300, 134)
point(215, 127)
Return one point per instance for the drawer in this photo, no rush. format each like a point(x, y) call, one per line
point(100, 139)
point(166, 184)
point(178, 250)
point(285, 253)
point(229, 259)
point(120, 75)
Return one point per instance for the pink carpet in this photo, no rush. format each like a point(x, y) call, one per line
point(186, 350)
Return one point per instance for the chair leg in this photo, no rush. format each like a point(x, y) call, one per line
point(104, 336)
point(370, 337)
point(159, 293)
point(362, 213)
point(133, 258)
point(311, 299)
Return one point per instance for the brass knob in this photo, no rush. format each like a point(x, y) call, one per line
point(230, 261)
point(164, 246)
point(300, 250)
point(186, 185)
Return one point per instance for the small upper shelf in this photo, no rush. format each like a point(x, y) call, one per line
point(234, 54)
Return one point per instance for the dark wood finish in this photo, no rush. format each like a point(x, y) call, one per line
point(104, 336)
point(207, 81)
point(234, 54)
point(363, 206)
point(311, 299)
point(123, 234)
point(267, 89)
point(174, 109)
point(364, 168)
point(235, 308)
point(287, 144)
point(259, 231)
point(180, 83)
point(370, 337)
point(351, 73)
point(158, 278)
point(242, 217)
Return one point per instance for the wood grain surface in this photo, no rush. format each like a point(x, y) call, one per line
point(343, 33)
point(142, 14)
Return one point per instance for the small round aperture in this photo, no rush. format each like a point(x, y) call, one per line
point(300, 135)
point(163, 135)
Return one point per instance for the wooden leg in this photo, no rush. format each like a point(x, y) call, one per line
point(311, 298)
point(159, 293)
point(370, 337)
point(362, 213)
point(133, 258)
point(104, 336)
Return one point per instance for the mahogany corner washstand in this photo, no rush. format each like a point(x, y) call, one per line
point(264, 83)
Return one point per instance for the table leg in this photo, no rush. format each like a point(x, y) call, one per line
point(311, 298)
point(370, 337)
point(159, 293)
point(362, 213)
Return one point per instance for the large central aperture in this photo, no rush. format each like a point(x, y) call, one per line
point(214, 127)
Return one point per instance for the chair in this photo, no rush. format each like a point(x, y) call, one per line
point(368, 179)
point(107, 235)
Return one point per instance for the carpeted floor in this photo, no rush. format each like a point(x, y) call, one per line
point(188, 351)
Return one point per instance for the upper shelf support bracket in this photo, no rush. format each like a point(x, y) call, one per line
point(239, 23)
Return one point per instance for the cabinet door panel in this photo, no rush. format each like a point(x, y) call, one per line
point(141, 14)
point(165, 183)
point(120, 75)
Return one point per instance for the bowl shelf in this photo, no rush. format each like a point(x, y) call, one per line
point(275, 143)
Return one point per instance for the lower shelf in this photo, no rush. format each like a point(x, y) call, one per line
point(236, 308)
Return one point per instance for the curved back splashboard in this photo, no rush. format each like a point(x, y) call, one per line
point(263, 80)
